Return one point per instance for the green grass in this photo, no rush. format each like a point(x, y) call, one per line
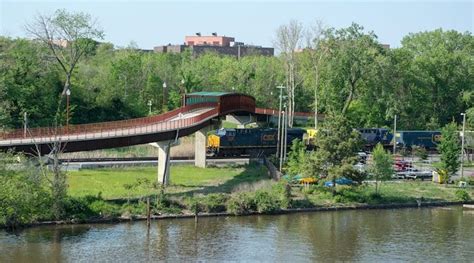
point(184, 179)
point(390, 192)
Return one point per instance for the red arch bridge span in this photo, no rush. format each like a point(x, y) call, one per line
point(202, 110)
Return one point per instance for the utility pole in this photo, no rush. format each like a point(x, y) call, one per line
point(395, 135)
point(25, 123)
point(279, 120)
point(150, 103)
point(68, 93)
point(281, 141)
point(462, 143)
point(285, 134)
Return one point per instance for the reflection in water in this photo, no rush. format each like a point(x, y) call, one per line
point(438, 234)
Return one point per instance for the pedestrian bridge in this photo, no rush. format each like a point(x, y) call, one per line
point(200, 111)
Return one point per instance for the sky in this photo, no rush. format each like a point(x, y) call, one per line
point(152, 23)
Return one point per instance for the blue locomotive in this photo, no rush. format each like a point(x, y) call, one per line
point(236, 142)
point(404, 139)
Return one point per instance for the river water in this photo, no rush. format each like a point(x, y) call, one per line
point(421, 235)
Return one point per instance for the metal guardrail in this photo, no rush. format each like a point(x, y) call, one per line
point(99, 133)
point(138, 126)
point(101, 127)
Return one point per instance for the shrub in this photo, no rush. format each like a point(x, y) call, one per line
point(462, 195)
point(266, 202)
point(22, 199)
point(241, 203)
point(104, 209)
point(283, 191)
point(214, 203)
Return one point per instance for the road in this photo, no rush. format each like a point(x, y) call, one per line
point(74, 166)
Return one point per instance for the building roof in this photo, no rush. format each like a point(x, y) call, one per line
point(209, 93)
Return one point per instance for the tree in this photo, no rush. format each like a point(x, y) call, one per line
point(450, 149)
point(288, 38)
point(317, 51)
point(351, 62)
point(440, 70)
point(296, 158)
point(336, 146)
point(68, 37)
point(382, 166)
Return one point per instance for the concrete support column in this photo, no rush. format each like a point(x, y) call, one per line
point(200, 139)
point(164, 162)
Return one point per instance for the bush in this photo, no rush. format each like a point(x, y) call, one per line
point(104, 209)
point(214, 203)
point(266, 202)
point(462, 195)
point(241, 203)
point(283, 191)
point(23, 198)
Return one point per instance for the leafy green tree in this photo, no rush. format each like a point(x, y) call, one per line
point(336, 145)
point(450, 149)
point(352, 61)
point(438, 66)
point(382, 166)
point(296, 158)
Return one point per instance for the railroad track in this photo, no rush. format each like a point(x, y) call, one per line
point(136, 159)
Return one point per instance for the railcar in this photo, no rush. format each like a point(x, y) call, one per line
point(237, 142)
point(373, 136)
point(426, 139)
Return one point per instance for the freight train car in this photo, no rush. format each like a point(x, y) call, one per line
point(373, 136)
point(426, 139)
point(236, 142)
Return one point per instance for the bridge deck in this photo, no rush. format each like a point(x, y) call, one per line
point(181, 121)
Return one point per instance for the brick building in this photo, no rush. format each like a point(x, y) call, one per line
point(219, 44)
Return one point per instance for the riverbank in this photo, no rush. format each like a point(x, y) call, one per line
point(115, 195)
point(227, 214)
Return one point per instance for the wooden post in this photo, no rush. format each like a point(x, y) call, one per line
point(148, 212)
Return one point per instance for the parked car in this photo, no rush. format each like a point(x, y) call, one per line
point(419, 175)
point(340, 181)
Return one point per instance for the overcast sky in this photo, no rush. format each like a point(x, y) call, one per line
point(152, 23)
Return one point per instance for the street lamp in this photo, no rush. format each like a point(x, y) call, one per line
point(164, 95)
point(462, 142)
point(183, 92)
point(68, 93)
point(395, 134)
point(279, 119)
point(149, 106)
point(25, 123)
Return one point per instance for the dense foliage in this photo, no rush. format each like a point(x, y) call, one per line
point(427, 81)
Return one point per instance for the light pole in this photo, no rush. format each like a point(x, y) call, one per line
point(25, 123)
point(164, 95)
point(68, 93)
point(285, 133)
point(149, 106)
point(282, 142)
point(279, 119)
point(395, 134)
point(462, 143)
point(183, 92)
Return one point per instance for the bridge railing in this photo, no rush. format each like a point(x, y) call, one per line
point(275, 112)
point(164, 126)
point(100, 127)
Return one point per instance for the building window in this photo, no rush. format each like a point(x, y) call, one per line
point(215, 43)
point(191, 43)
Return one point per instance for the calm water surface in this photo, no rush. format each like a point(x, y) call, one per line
point(426, 235)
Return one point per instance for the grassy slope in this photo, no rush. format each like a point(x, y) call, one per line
point(184, 178)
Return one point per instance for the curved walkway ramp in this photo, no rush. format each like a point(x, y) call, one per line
point(168, 126)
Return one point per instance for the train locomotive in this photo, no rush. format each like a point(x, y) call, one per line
point(237, 142)
point(404, 139)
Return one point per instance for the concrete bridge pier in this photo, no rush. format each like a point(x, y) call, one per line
point(200, 140)
point(164, 162)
